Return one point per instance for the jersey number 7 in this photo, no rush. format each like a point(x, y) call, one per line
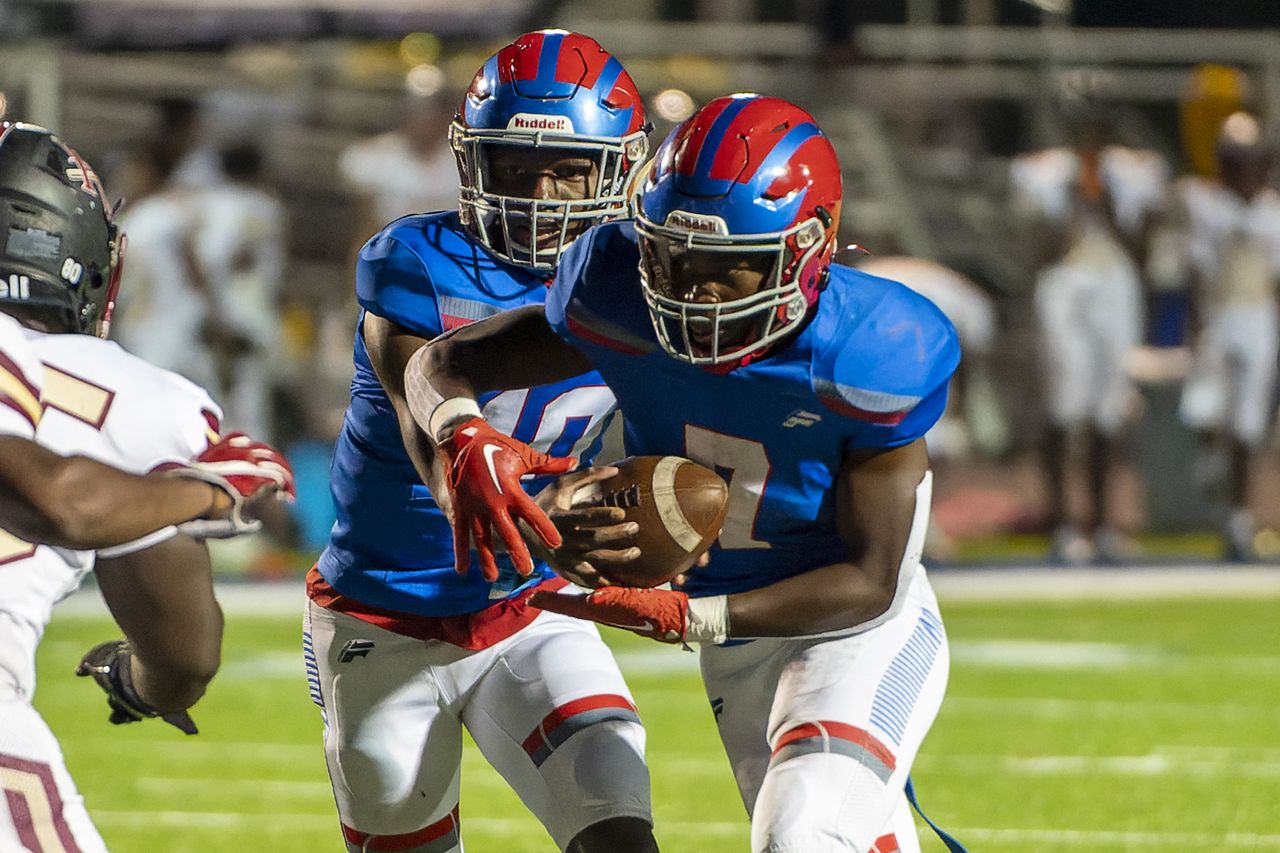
point(744, 464)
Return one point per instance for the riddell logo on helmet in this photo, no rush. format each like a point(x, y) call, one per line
point(533, 121)
point(700, 222)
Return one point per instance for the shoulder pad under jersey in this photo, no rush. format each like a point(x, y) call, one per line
point(883, 359)
point(596, 294)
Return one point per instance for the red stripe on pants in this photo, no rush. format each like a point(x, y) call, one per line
point(840, 731)
point(407, 841)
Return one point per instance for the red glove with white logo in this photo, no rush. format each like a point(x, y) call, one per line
point(659, 614)
point(246, 470)
point(485, 468)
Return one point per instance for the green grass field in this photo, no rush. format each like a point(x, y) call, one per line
point(1102, 726)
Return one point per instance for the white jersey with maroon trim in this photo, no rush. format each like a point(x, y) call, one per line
point(102, 402)
point(20, 379)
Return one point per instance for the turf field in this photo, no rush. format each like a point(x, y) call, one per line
point(1117, 723)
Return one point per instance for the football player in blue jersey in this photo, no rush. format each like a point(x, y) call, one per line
point(402, 651)
point(730, 338)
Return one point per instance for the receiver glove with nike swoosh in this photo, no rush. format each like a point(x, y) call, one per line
point(485, 468)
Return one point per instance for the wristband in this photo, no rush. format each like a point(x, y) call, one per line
point(708, 620)
point(450, 410)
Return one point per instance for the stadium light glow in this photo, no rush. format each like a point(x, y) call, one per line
point(419, 49)
point(673, 105)
point(425, 80)
point(1241, 129)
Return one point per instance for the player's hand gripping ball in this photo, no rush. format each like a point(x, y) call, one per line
point(678, 505)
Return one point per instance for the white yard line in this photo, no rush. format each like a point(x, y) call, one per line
point(1157, 840)
point(1130, 582)
point(961, 585)
point(1156, 764)
point(1083, 709)
point(277, 788)
point(195, 750)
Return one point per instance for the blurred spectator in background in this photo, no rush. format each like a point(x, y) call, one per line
point(408, 170)
point(240, 246)
point(181, 144)
point(1233, 240)
point(973, 419)
point(203, 274)
point(165, 303)
point(1087, 208)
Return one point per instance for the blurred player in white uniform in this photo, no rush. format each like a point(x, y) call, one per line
point(60, 264)
point(972, 414)
point(1090, 205)
point(165, 305)
point(240, 247)
point(406, 170)
point(1233, 241)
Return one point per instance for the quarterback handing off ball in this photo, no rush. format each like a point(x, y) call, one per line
point(678, 504)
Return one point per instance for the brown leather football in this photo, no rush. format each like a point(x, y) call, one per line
point(679, 505)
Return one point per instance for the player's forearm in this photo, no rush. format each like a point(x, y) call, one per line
point(103, 506)
point(514, 349)
point(882, 511)
point(431, 379)
point(162, 598)
point(75, 502)
point(169, 688)
point(828, 598)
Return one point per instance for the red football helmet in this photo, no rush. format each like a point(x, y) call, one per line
point(554, 90)
point(747, 176)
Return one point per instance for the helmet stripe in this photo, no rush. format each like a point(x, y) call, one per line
point(605, 78)
point(519, 60)
point(582, 61)
point(742, 164)
point(782, 148)
point(693, 141)
point(548, 59)
point(708, 142)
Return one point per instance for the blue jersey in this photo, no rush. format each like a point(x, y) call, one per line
point(391, 546)
point(869, 370)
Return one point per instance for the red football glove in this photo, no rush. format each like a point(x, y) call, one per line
point(243, 468)
point(659, 614)
point(485, 468)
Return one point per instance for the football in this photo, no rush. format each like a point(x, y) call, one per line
point(679, 505)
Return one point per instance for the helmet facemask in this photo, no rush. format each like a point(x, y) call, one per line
point(733, 331)
point(98, 321)
point(499, 220)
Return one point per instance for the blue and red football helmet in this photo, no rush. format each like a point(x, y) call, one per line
point(747, 177)
point(63, 255)
point(548, 89)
